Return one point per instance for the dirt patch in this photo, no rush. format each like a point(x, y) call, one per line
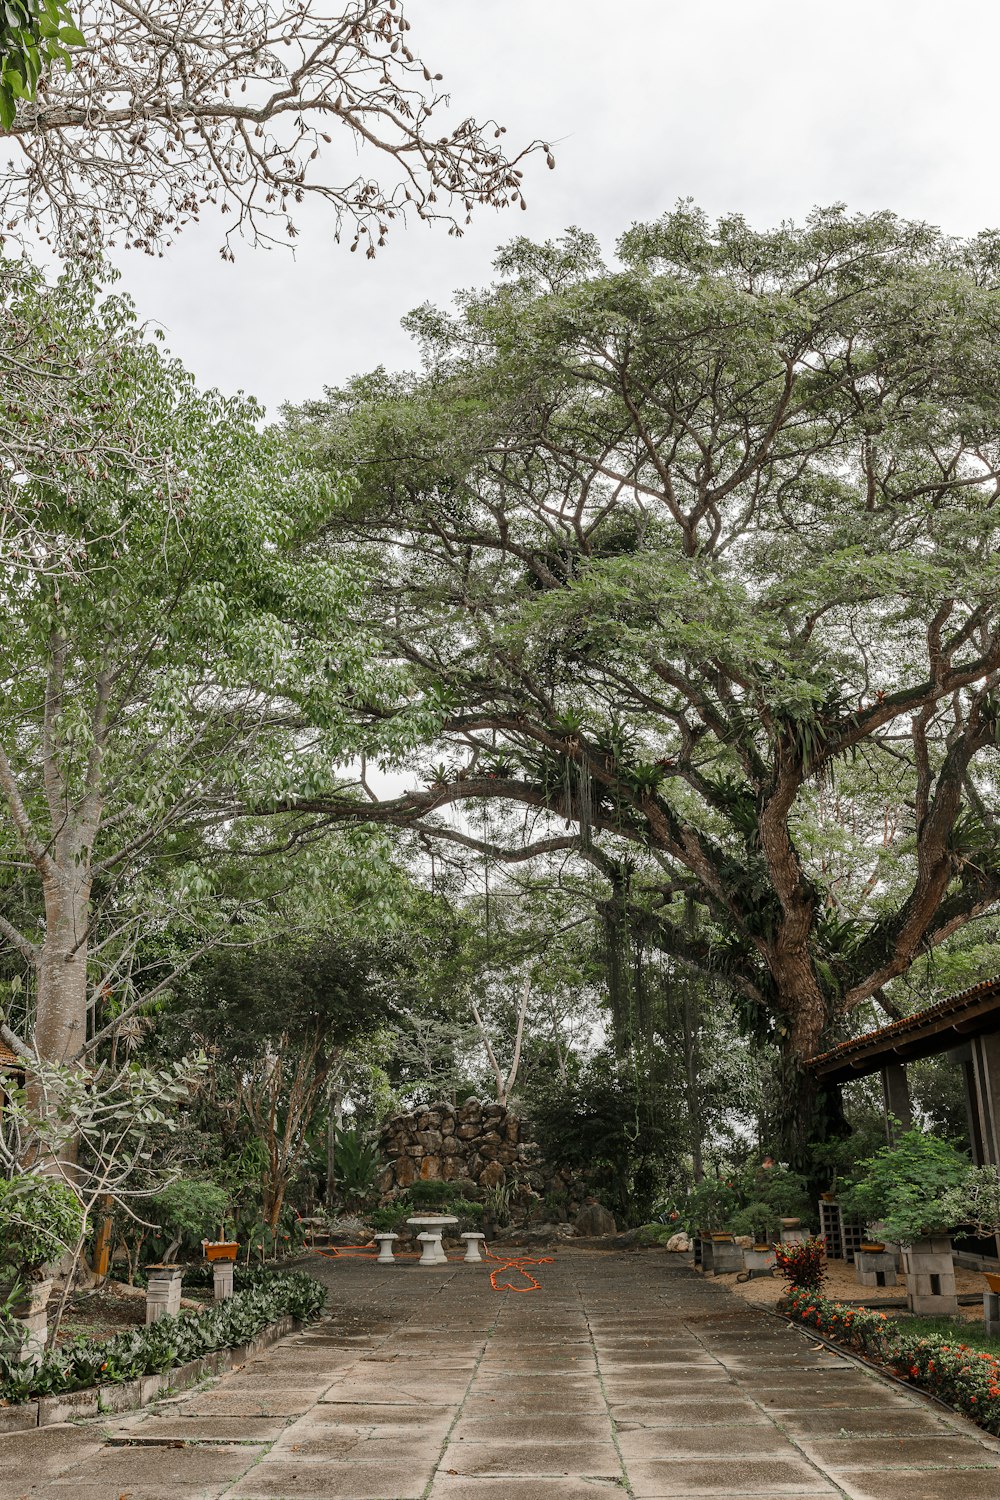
point(111, 1309)
point(842, 1285)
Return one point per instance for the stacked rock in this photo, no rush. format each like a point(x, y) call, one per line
point(477, 1146)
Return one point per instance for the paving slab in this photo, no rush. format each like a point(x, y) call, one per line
point(533, 1459)
point(289, 1479)
point(925, 1484)
point(949, 1451)
point(714, 1477)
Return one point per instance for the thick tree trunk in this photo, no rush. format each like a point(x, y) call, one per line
point(799, 1114)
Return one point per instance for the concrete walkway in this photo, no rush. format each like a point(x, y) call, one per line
point(625, 1374)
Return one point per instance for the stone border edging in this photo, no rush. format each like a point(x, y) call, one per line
point(128, 1395)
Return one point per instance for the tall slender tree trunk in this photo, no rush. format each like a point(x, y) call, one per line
point(61, 993)
point(334, 1122)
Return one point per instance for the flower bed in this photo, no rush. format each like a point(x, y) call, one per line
point(171, 1341)
point(967, 1379)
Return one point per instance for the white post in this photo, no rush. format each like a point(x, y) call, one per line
point(222, 1279)
point(472, 1243)
point(385, 1243)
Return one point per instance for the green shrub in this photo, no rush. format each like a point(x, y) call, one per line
point(356, 1165)
point(39, 1219)
point(975, 1202)
point(387, 1220)
point(190, 1212)
point(432, 1193)
point(711, 1204)
point(467, 1212)
point(171, 1341)
point(902, 1187)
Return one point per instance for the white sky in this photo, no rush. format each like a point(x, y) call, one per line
point(766, 107)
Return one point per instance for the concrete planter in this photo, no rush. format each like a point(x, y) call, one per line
point(760, 1261)
point(727, 1257)
point(930, 1277)
point(31, 1320)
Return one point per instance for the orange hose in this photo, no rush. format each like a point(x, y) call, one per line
point(516, 1263)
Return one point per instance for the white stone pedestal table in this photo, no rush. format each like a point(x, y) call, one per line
point(433, 1222)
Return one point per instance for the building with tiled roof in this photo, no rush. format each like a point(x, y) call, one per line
point(965, 1026)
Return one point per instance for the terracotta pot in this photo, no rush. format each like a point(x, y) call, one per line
point(992, 1280)
point(828, 1197)
point(723, 1239)
point(220, 1249)
point(873, 1247)
point(791, 1223)
point(762, 1249)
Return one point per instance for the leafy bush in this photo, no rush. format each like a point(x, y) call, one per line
point(902, 1187)
point(967, 1379)
point(356, 1165)
point(975, 1201)
point(190, 1212)
point(171, 1341)
point(756, 1219)
point(610, 1124)
point(655, 1234)
point(39, 1219)
point(433, 1193)
point(711, 1204)
point(802, 1264)
point(497, 1204)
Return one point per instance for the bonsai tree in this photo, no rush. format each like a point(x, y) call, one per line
point(189, 1212)
point(711, 1204)
point(39, 1219)
point(903, 1187)
point(975, 1201)
point(757, 1219)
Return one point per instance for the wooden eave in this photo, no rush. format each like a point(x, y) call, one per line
point(939, 1028)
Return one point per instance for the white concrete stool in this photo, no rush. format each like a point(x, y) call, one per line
point(433, 1251)
point(472, 1243)
point(385, 1243)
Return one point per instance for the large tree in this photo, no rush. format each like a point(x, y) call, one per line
point(695, 560)
point(252, 106)
point(165, 632)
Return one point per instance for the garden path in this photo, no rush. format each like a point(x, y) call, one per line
point(624, 1373)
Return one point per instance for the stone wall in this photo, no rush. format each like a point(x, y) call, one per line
point(477, 1146)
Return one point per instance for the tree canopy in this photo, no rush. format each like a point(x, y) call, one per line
point(698, 553)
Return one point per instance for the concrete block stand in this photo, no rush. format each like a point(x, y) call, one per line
point(222, 1280)
point(726, 1257)
point(930, 1278)
point(875, 1267)
point(758, 1263)
point(163, 1292)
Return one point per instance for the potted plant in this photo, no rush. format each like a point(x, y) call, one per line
point(902, 1189)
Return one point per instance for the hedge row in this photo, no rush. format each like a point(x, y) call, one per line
point(169, 1342)
point(967, 1379)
